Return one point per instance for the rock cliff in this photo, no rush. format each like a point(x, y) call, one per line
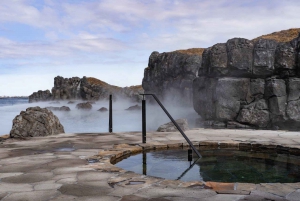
point(250, 82)
point(86, 88)
point(170, 75)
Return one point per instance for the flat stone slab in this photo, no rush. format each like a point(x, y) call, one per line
point(78, 167)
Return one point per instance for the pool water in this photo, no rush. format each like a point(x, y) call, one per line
point(220, 165)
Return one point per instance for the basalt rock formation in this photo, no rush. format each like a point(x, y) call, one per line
point(134, 107)
point(253, 83)
point(40, 96)
point(238, 84)
point(170, 75)
point(66, 88)
point(35, 121)
point(86, 88)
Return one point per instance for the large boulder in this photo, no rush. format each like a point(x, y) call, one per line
point(36, 121)
point(170, 127)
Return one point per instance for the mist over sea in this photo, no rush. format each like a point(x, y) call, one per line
point(93, 121)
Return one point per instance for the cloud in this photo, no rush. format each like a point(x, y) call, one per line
point(60, 48)
point(120, 35)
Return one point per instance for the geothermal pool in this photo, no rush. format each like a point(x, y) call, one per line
point(219, 165)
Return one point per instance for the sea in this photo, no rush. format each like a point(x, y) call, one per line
point(93, 121)
point(12, 101)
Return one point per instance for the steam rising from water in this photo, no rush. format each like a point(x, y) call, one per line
point(93, 121)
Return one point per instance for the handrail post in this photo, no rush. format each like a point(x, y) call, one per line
point(175, 123)
point(110, 126)
point(144, 119)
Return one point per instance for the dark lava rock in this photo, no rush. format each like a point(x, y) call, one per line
point(264, 57)
point(170, 76)
point(170, 127)
point(63, 108)
point(40, 96)
point(236, 125)
point(240, 56)
point(66, 88)
point(71, 102)
point(135, 107)
point(257, 86)
point(84, 106)
point(103, 109)
point(285, 60)
point(36, 121)
point(54, 102)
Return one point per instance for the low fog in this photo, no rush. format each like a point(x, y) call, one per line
point(93, 121)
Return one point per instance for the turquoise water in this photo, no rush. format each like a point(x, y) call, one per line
point(220, 165)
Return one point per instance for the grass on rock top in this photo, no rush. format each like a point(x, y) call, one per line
point(192, 51)
point(281, 36)
point(95, 81)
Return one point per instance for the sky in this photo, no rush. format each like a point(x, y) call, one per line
point(112, 39)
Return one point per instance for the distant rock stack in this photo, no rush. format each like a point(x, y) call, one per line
point(253, 83)
point(66, 88)
point(86, 88)
point(40, 96)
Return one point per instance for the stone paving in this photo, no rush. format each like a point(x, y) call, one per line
point(78, 167)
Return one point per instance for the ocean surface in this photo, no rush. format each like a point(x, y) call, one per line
point(12, 101)
point(93, 121)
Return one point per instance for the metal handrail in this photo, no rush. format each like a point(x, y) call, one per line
point(175, 123)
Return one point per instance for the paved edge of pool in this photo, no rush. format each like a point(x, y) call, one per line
point(103, 162)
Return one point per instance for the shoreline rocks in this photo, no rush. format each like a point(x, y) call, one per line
point(135, 107)
point(103, 109)
point(84, 106)
point(170, 127)
point(62, 108)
